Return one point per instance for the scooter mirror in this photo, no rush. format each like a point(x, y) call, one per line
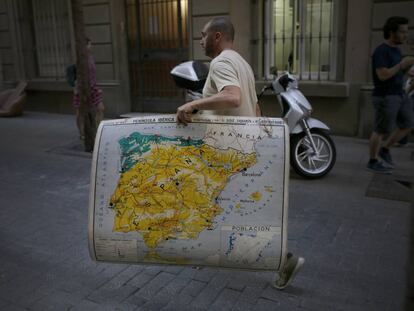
point(284, 80)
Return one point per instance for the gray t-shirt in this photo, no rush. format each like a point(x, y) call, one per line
point(229, 68)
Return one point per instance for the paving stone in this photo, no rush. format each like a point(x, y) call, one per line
point(12, 307)
point(95, 274)
point(125, 276)
point(86, 305)
point(180, 302)
point(116, 289)
point(55, 301)
point(388, 187)
point(194, 288)
point(75, 289)
point(246, 278)
point(208, 295)
point(271, 293)
point(3, 303)
point(226, 300)
point(17, 288)
point(153, 269)
point(166, 294)
point(173, 269)
point(123, 306)
point(250, 295)
point(265, 305)
point(236, 286)
point(243, 306)
point(111, 295)
point(34, 296)
point(140, 279)
point(187, 272)
point(135, 300)
point(326, 299)
point(205, 274)
point(157, 283)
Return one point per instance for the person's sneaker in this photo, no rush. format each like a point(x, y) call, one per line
point(378, 167)
point(290, 269)
point(386, 156)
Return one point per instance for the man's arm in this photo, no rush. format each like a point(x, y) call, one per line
point(258, 110)
point(228, 98)
point(384, 73)
point(387, 73)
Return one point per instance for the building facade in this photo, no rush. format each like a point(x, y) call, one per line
point(326, 43)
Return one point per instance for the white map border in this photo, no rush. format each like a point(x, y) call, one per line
point(171, 118)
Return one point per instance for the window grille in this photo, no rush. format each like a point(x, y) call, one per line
point(301, 37)
point(52, 36)
point(45, 29)
point(158, 40)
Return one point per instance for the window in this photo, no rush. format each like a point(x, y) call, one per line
point(300, 36)
point(46, 39)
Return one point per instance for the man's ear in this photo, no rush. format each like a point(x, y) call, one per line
point(218, 35)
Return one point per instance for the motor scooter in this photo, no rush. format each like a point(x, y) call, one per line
point(312, 151)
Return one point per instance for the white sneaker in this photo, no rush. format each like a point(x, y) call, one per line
point(290, 269)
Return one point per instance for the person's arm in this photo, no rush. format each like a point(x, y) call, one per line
point(258, 110)
point(228, 98)
point(387, 73)
point(384, 73)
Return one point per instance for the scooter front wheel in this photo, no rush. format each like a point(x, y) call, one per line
point(308, 162)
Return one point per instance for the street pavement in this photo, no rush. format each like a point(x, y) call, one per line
point(353, 228)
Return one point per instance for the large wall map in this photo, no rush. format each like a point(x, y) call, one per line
point(212, 193)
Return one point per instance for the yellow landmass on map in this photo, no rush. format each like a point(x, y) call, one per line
point(170, 193)
point(154, 257)
point(256, 196)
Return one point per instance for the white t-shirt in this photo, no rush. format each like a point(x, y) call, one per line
point(229, 68)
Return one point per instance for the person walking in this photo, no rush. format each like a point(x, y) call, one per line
point(230, 90)
point(95, 95)
point(391, 105)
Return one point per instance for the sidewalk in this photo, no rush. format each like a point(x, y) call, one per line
point(350, 226)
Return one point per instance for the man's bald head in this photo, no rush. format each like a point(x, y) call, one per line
point(222, 25)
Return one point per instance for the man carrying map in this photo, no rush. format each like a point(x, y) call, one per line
point(230, 90)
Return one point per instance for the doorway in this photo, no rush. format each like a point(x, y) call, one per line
point(157, 41)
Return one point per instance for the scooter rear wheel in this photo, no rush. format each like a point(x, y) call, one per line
point(308, 162)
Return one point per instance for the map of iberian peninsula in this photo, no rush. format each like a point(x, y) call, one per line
point(168, 187)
